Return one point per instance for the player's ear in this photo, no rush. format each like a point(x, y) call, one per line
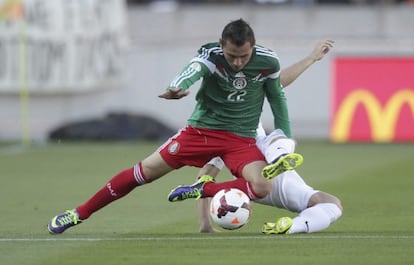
point(222, 42)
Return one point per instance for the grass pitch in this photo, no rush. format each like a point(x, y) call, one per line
point(374, 182)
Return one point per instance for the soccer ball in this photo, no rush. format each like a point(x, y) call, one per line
point(230, 208)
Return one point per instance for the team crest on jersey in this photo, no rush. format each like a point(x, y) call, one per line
point(240, 82)
point(173, 148)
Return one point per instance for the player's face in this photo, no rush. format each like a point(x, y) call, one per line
point(237, 56)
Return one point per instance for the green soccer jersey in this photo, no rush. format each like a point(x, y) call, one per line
point(233, 100)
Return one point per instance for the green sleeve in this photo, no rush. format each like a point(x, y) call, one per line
point(278, 104)
point(189, 75)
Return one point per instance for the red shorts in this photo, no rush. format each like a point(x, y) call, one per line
point(196, 146)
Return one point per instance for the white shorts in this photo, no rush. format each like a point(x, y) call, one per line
point(289, 192)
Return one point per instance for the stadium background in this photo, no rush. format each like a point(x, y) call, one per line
point(146, 43)
point(126, 66)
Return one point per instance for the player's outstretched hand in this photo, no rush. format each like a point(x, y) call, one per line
point(322, 48)
point(174, 93)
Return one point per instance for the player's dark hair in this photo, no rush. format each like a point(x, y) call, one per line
point(238, 32)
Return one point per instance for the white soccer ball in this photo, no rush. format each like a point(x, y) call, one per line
point(230, 208)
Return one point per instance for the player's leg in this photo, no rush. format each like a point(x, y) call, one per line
point(244, 160)
point(184, 148)
point(314, 218)
point(278, 150)
point(252, 183)
point(120, 185)
point(317, 210)
point(323, 210)
point(275, 144)
point(252, 172)
point(146, 171)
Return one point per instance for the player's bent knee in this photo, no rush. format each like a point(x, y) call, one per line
point(261, 189)
point(323, 197)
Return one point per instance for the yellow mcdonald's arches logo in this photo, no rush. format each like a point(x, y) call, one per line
point(383, 120)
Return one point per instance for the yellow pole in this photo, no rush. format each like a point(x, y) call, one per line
point(24, 91)
point(12, 10)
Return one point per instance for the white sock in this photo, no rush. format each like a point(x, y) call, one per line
point(315, 218)
point(277, 148)
point(217, 162)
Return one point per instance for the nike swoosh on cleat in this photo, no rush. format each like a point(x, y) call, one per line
point(53, 222)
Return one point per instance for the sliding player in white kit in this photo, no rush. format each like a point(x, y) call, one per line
point(317, 209)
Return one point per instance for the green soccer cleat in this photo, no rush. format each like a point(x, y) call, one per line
point(63, 221)
point(282, 164)
point(281, 226)
point(194, 191)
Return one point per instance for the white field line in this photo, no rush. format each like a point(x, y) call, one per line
point(293, 237)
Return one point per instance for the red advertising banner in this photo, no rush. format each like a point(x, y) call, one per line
point(372, 99)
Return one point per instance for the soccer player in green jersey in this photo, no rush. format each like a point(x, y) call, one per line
point(237, 76)
point(317, 209)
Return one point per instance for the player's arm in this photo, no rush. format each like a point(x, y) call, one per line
point(292, 72)
point(178, 88)
point(212, 168)
point(276, 96)
point(278, 104)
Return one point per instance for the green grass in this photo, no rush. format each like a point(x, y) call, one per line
point(374, 182)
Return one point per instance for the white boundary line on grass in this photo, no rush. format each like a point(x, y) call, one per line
point(101, 239)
